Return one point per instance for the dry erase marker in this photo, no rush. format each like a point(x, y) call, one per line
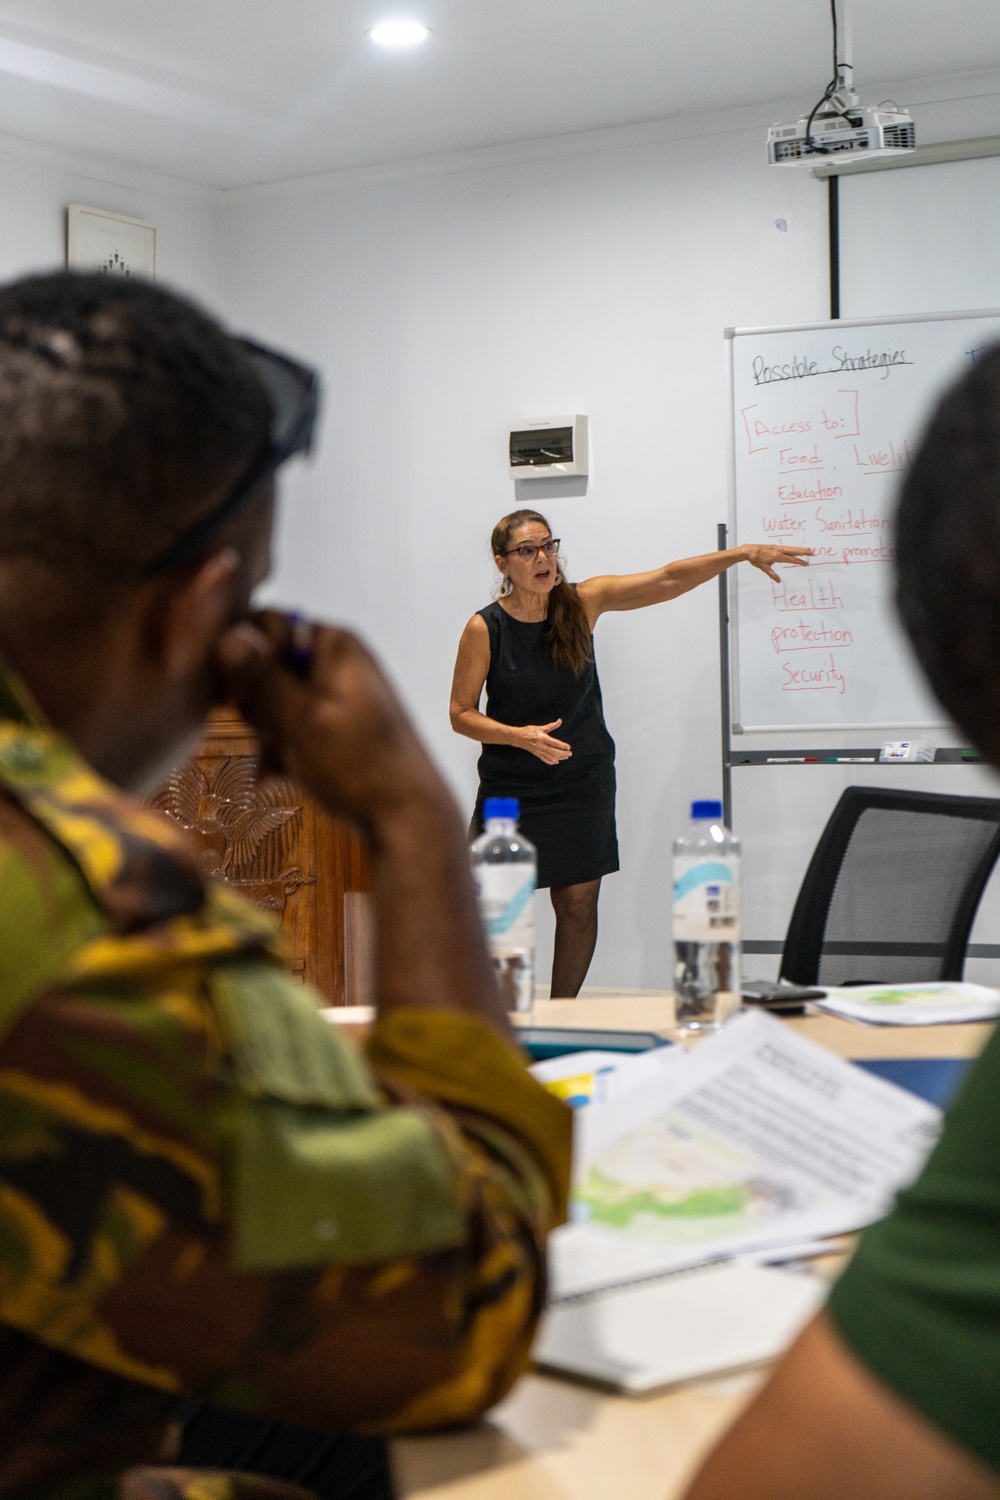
point(791, 760)
point(850, 760)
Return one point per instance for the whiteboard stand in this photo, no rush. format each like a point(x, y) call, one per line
point(727, 716)
point(816, 671)
point(768, 942)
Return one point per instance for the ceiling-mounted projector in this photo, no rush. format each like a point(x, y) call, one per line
point(838, 125)
point(859, 131)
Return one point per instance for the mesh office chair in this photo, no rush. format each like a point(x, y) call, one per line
point(892, 888)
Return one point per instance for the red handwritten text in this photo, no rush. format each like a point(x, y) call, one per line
point(823, 677)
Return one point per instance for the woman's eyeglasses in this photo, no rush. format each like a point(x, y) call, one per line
point(530, 550)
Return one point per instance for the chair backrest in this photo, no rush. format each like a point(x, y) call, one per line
point(892, 888)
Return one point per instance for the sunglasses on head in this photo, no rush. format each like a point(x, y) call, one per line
point(294, 392)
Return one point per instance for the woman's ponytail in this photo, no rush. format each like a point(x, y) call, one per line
point(568, 636)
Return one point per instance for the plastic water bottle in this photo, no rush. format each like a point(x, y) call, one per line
point(505, 869)
point(706, 921)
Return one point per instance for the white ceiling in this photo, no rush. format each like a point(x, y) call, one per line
point(229, 92)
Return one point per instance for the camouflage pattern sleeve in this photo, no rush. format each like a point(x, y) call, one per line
point(399, 1282)
point(203, 1187)
point(197, 1484)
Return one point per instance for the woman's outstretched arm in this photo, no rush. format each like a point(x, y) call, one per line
point(471, 666)
point(636, 590)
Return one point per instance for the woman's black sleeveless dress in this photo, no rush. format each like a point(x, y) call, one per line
point(567, 810)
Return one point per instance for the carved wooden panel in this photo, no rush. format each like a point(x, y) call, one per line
point(275, 845)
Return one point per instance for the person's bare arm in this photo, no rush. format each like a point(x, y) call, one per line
point(637, 590)
point(342, 734)
point(824, 1428)
point(471, 667)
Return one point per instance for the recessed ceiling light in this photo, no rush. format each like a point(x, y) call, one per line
point(399, 33)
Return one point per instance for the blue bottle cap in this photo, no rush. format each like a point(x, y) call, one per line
point(501, 807)
point(700, 810)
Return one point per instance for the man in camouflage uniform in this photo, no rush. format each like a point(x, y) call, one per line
point(204, 1189)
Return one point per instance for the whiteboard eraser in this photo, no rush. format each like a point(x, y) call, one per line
point(912, 752)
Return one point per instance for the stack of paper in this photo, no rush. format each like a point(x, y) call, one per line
point(595, 1077)
point(912, 1004)
point(685, 1328)
point(754, 1140)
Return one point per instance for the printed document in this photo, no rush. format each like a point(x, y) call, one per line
point(687, 1327)
point(582, 1078)
point(912, 1004)
point(756, 1138)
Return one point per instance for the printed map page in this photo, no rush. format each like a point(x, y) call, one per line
point(913, 1004)
point(759, 1137)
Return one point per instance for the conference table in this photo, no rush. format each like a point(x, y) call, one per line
point(555, 1439)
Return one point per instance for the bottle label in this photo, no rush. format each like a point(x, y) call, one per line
point(706, 901)
point(508, 912)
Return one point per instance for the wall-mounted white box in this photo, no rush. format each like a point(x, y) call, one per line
point(548, 447)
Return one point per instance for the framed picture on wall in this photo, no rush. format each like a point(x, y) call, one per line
point(113, 243)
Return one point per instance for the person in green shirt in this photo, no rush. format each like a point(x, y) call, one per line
point(893, 1392)
point(205, 1191)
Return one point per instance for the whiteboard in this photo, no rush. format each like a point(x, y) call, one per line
point(825, 418)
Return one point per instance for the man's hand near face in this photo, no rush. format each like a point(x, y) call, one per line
point(339, 730)
point(334, 725)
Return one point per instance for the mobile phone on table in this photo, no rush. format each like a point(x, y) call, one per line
point(785, 999)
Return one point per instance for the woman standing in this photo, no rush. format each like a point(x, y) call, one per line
point(533, 652)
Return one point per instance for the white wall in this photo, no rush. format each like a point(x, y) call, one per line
point(444, 298)
point(442, 307)
point(37, 184)
point(594, 275)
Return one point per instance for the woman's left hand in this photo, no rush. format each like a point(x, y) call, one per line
point(763, 556)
